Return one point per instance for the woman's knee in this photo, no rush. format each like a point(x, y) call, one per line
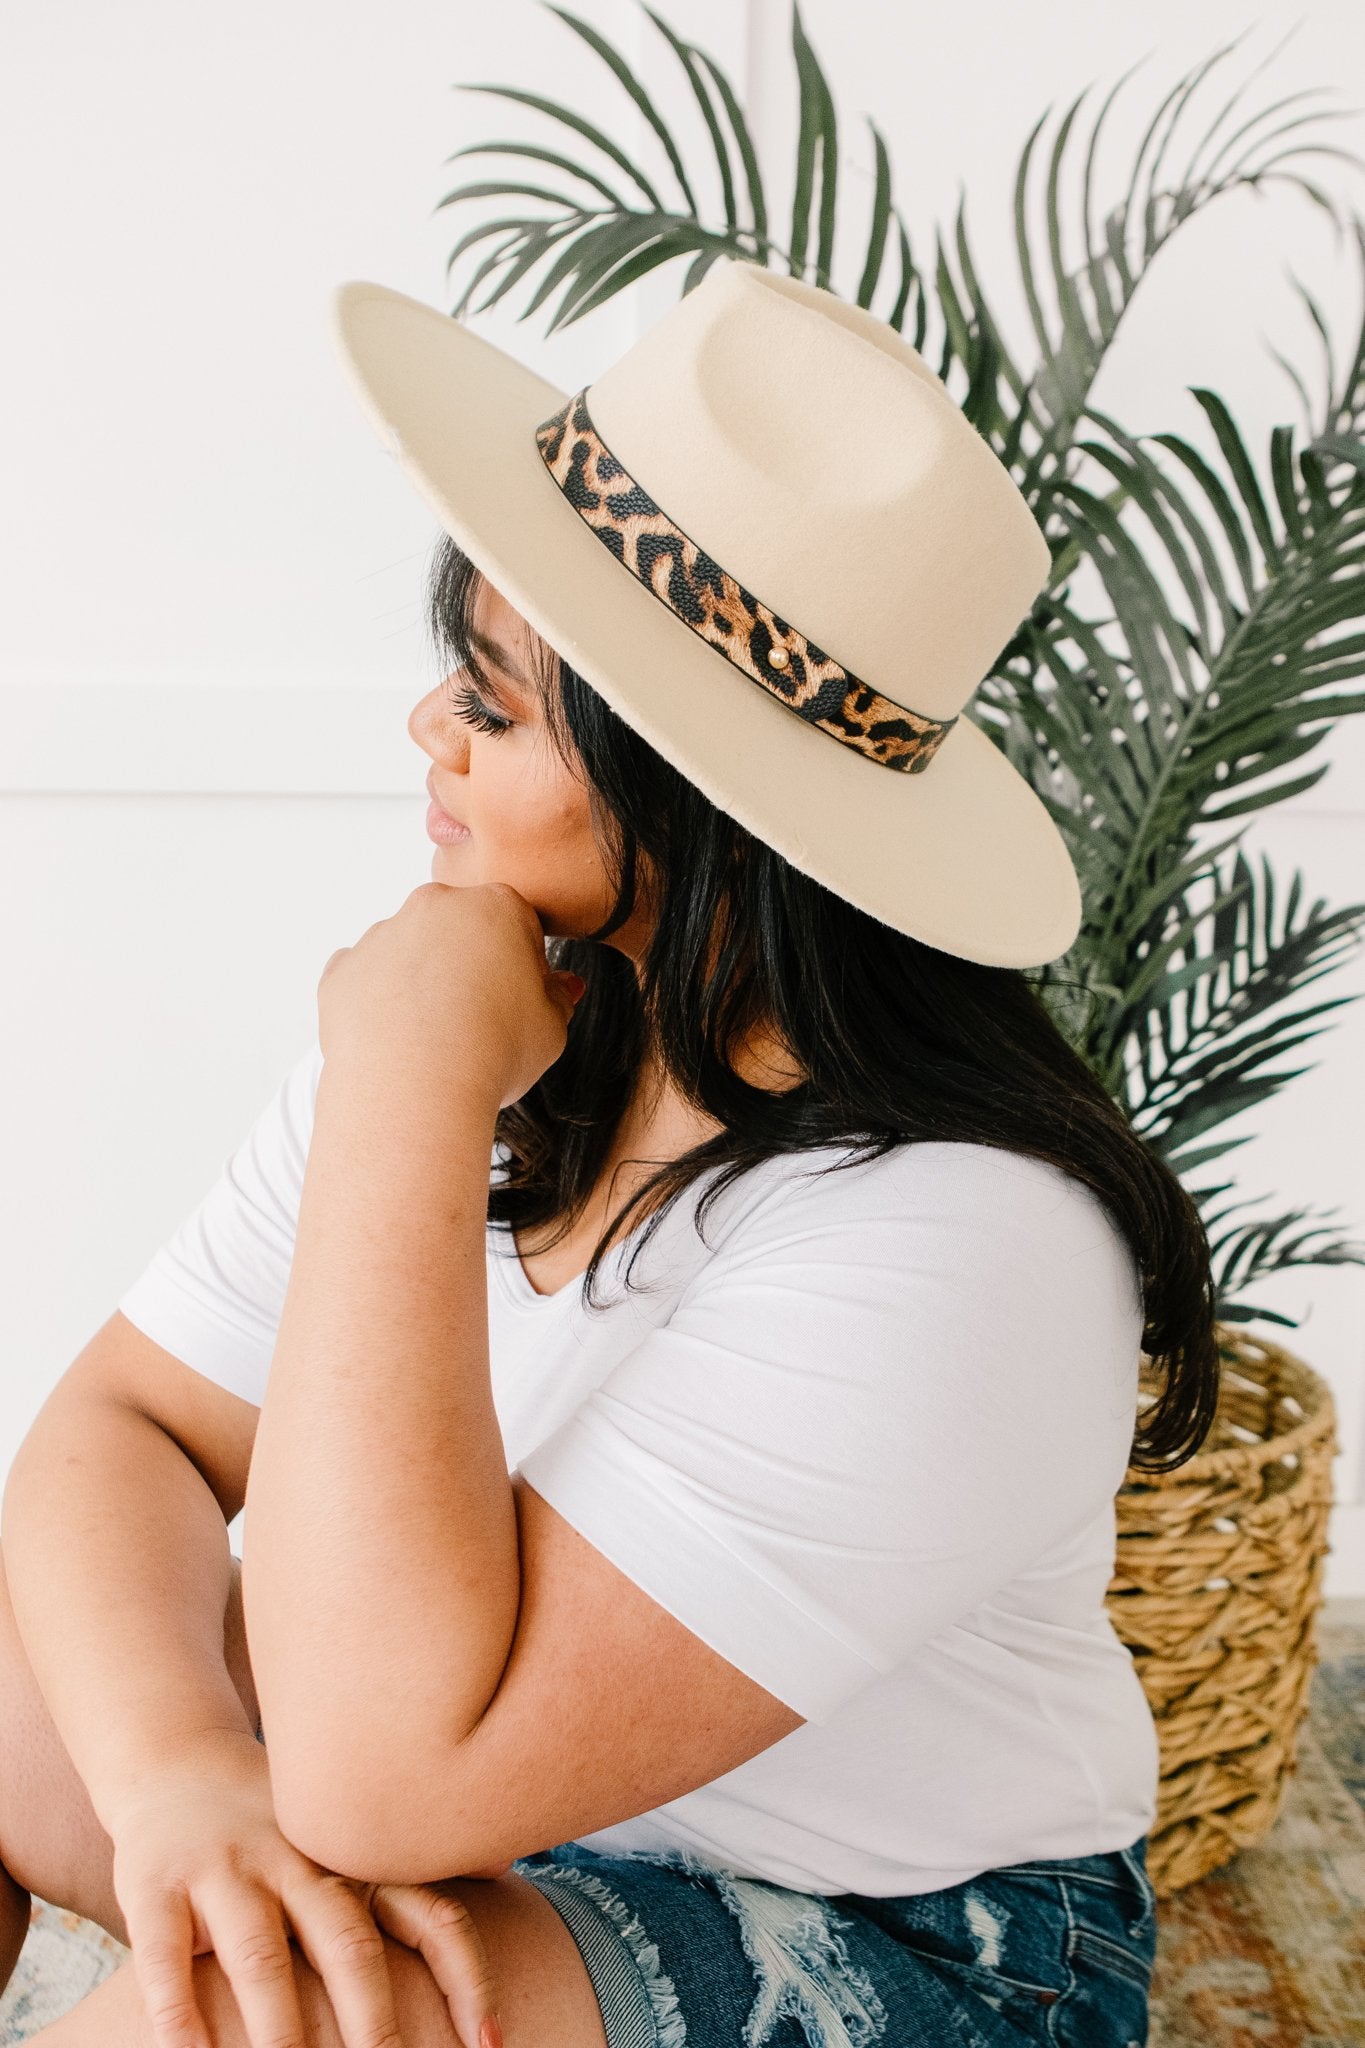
point(9, 1628)
point(17, 1689)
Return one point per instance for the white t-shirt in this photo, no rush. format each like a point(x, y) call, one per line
point(864, 1441)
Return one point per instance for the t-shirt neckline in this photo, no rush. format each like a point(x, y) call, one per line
point(516, 1281)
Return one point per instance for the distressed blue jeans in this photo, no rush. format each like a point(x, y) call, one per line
point(683, 1955)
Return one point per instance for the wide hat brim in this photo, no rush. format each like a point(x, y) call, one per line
point(964, 856)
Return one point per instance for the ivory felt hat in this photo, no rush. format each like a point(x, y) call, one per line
point(772, 541)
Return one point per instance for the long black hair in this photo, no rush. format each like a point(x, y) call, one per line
point(897, 1039)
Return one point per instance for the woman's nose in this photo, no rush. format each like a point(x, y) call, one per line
point(434, 728)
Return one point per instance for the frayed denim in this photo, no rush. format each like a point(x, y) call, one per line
point(684, 1955)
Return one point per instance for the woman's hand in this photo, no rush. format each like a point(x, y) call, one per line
point(200, 1867)
point(452, 991)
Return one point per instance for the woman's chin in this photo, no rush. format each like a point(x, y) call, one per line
point(446, 866)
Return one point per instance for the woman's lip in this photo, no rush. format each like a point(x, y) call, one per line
point(444, 829)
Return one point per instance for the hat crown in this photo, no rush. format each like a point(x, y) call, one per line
point(818, 459)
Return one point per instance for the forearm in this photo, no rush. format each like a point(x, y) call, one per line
point(119, 1568)
point(380, 1570)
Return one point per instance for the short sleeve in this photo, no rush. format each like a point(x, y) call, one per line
point(212, 1295)
point(892, 1389)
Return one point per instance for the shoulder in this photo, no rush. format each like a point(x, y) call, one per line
point(984, 1202)
point(944, 1309)
point(932, 1252)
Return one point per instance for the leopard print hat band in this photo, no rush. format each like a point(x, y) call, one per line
point(753, 639)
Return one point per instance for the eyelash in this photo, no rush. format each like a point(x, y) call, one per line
point(467, 705)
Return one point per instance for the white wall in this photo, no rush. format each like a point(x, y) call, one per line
point(210, 638)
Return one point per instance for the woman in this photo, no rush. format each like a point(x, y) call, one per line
point(718, 1655)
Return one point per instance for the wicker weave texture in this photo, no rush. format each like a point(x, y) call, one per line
point(1216, 1590)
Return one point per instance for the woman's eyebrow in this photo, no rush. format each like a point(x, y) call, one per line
point(498, 656)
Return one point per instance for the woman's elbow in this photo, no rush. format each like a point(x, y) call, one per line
point(373, 1825)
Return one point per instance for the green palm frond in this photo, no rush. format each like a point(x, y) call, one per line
point(817, 161)
point(601, 248)
point(1157, 721)
point(1169, 718)
point(1201, 1032)
point(1251, 1252)
point(1232, 614)
point(1094, 292)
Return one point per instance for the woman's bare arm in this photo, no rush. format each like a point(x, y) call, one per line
point(115, 1536)
point(117, 1557)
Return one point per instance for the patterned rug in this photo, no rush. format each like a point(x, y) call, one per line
point(1268, 1952)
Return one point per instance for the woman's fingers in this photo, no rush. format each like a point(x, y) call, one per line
point(251, 1942)
point(444, 1932)
point(161, 1936)
point(334, 1928)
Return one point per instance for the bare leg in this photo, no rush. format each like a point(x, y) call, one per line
point(52, 1843)
point(112, 2015)
point(545, 1997)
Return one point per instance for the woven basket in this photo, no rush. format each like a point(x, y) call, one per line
point(1216, 1589)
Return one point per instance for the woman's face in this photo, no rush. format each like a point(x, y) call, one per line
point(526, 812)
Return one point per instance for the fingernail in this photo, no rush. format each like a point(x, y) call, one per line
point(490, 2033)
point(574, 982)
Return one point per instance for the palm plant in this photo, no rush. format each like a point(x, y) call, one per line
point(1159, 710)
